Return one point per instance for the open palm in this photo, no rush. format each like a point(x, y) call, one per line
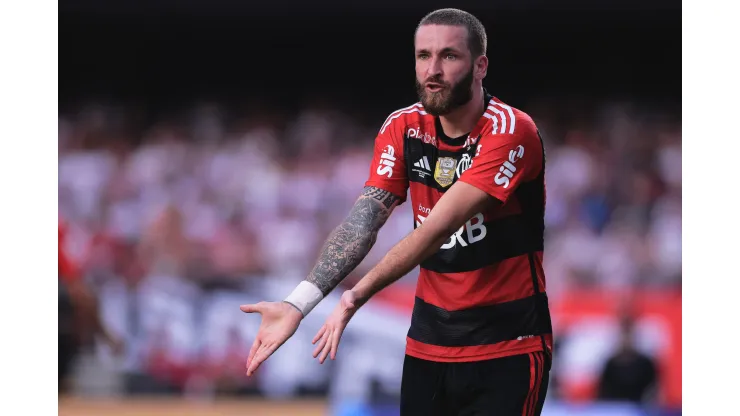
point(280, 320)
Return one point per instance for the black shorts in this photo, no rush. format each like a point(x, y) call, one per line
point(509, 386)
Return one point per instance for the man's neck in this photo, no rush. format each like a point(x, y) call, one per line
point(462, 120)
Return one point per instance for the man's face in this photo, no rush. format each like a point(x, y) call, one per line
point(444, 68)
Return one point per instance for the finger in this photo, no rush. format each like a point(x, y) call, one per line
point(335, 343)
point(262, 354)
point(327, 347)
point(321, 345)
point(253, 350)
point(255, 362)
point(319, 334)
point(250, 308)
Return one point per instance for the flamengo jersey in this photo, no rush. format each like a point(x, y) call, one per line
point(482, 295)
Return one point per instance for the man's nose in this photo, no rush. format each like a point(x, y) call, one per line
point(434, 70)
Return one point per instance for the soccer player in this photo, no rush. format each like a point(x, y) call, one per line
point(481, 336)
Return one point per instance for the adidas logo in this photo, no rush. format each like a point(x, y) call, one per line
point(423, 163)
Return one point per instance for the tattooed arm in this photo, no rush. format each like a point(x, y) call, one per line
point(345, 248)
point(352, 240)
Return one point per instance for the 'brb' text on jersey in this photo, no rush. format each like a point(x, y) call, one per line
point(482, 295)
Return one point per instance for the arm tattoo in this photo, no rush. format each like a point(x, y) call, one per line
point(387, 198)
point(350, 242)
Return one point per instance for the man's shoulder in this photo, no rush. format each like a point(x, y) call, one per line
point(507, 119)
point(402, 117)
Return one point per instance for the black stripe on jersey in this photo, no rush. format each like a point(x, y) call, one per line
point(505, 238)
point(481, 325)
point(532, 199)
point(415, 151)
point(531, 196)
point(536, 287)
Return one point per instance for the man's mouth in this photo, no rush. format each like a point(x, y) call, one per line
point(434, 87)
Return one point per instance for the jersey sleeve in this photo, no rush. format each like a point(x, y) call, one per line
point(388, 168)
point(504, 161)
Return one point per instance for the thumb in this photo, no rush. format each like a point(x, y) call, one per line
point(250, 308)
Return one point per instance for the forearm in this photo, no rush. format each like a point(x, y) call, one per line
point(458, 205)
point(342, 252)
point(399, 261)
point(345, 248)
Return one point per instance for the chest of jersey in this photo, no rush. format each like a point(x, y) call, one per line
point(431, 171)
point(433, 166)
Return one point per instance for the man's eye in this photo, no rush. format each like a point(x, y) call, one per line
point(450, 56)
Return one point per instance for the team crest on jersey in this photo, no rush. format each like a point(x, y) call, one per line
point(465, 163)
point(444, 173)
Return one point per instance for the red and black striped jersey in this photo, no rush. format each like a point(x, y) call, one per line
point(483, 294)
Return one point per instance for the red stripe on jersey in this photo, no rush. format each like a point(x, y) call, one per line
point(540, 356)
point(508, 280)
point(540, 271)
point(472, 353)
point(398, 113)
point(532, 377)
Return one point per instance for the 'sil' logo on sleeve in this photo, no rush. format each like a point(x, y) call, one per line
point(507, 170)
point(387, 162)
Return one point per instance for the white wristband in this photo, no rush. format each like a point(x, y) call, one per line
point(305, 297)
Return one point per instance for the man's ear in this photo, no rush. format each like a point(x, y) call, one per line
point(481, 67)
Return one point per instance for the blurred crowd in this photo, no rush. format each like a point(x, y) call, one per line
point(213, 200)
point(217, 198)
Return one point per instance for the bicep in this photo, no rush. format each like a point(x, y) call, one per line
point(388, 168)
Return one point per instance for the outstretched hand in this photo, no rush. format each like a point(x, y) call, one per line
point(330, 333)
point(280, 320)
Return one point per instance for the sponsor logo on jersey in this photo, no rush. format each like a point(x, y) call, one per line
point(508, 169)
point(474, 230)
point(387, 162)
point(424, 210)
point(470, 141)
point(422, 167)
point(416, 133)
point(444, 173)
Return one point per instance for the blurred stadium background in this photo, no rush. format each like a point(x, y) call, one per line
point(207, 148)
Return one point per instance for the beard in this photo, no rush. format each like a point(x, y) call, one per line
point(449, 98)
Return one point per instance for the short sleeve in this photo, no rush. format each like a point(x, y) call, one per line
point(388, 168)
point(504, 161)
